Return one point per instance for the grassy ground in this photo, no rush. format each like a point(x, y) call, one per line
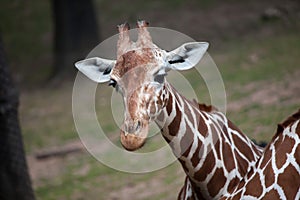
point(259, 63)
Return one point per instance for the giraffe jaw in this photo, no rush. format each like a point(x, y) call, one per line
point(134, 141)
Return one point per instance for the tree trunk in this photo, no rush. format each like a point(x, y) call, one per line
point(15, 183)
point(76, 33)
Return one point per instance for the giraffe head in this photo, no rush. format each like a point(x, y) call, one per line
point(139, 75)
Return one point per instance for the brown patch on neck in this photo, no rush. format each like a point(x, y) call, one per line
point(217, 182)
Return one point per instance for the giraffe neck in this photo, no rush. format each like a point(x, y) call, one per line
point(214, 153)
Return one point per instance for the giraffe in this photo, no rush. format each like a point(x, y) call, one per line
point(277, 175)
point(213, 152)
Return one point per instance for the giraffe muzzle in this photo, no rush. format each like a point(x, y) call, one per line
point(134, 134)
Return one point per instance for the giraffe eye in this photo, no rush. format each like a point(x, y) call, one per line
point(112, 83)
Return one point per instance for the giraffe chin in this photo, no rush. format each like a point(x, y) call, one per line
point(134, 141)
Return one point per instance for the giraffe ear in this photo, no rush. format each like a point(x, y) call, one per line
point(96, 69)
point(186, 56)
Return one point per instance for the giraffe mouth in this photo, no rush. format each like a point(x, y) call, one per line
point(134, 140)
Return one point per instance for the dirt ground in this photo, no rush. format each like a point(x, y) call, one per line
point(285, 92)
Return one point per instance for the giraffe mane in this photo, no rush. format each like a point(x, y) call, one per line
point(204, 107)
point(290, 120)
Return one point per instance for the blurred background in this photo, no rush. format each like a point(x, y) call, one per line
point(255, 44)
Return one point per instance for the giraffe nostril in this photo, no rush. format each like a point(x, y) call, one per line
point(138, 125)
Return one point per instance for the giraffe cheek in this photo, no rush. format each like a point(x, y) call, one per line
point(134, 141)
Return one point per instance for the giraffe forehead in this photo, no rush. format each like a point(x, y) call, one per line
point(139, 62)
